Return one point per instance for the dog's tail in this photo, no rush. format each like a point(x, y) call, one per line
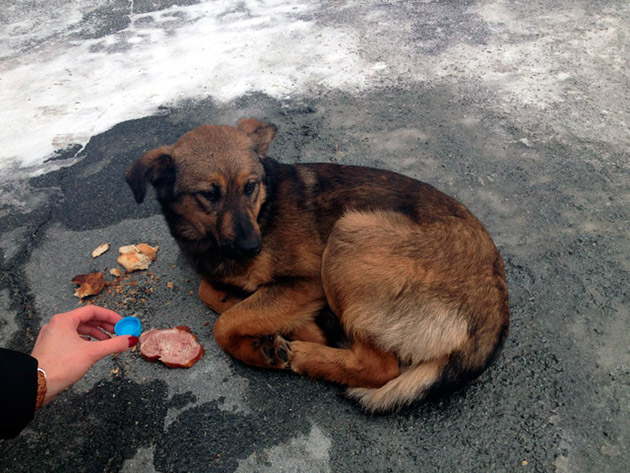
point(426, 380)
point(411, 385)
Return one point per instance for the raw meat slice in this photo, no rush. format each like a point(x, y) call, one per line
point(175, 347)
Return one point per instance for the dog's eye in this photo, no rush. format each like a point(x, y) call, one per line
point(250, 188)
point(213, 195)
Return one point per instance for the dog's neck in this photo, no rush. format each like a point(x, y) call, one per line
point(209, 262)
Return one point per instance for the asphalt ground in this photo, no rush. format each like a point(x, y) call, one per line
point(533, 139)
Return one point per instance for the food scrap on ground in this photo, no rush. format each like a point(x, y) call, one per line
point(175, 347)
point(132, 257)
point(99, 250)
point(136, 257)
point(89, 284)
point(150, 251)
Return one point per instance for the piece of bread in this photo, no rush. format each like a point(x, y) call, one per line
point(99, 250)
point(89, 284)
point(136, 257)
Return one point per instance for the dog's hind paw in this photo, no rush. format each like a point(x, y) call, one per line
point(276, 349)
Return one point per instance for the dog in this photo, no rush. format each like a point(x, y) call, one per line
point(411, 277)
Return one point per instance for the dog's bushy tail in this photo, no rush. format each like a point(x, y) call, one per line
point(411, 385)
point(426, 380)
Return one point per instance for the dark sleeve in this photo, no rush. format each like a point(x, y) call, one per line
point(18, 391)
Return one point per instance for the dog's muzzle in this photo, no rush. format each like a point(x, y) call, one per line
point(243, 249)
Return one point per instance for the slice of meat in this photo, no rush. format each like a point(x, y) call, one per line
point(175, 347)
point(89, 284)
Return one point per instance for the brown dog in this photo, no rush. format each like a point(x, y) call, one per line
point(411, 274)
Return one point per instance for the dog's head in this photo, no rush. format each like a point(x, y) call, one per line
point(211, 185)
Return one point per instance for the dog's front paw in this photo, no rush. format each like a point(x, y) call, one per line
point(276, 350)
point(297, 356)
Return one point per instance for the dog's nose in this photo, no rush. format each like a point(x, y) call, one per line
point(246, 248)
point(245, 240)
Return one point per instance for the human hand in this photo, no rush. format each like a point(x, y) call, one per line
point(64, 352)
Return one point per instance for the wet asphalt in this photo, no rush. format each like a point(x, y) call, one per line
point(552, 191)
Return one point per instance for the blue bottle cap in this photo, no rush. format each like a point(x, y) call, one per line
point(128, 326)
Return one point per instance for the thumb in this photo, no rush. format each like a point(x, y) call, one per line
point(117, 344)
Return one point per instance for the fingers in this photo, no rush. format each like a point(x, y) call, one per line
point(92, 312)
point(93, 332)
point(97, 323)
point(119, 344)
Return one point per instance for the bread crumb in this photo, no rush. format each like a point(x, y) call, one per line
point(150, 251)
point(99, 250)
point(89, 284)
point(137, 257)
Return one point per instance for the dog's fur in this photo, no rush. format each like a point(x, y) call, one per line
point(413, 277)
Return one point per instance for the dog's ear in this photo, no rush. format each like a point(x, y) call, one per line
point(260, 133)
point(156, 166)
